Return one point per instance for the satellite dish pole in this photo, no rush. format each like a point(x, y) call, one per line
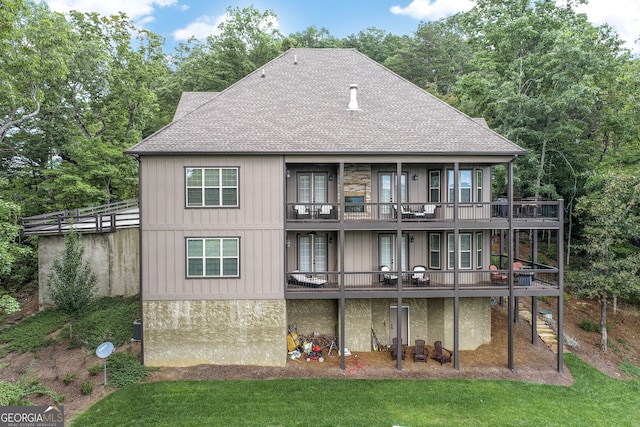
point(103, 351)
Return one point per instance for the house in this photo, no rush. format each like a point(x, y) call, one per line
point(306, 194)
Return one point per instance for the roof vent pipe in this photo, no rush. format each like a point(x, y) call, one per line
point(295, 59)
point(353, 102)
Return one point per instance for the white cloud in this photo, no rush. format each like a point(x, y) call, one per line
point(622, 15)
point(206, 26)
point(432, 10)
point(135, 10)
point(203, 27)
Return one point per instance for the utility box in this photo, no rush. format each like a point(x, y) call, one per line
point(137, 330)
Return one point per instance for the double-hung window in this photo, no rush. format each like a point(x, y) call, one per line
point(213, 257)
point(464, 251)
point(212, 187)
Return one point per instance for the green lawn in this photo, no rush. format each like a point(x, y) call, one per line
point(594, 399)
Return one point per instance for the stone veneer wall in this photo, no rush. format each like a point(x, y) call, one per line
point(358, 180)
point(229, 332)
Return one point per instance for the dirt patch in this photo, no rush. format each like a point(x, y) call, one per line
point(533, 363)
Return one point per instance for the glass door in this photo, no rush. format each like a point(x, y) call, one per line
point(388, 252)
point(388, 189)
point(312, 190)
point(312, 253)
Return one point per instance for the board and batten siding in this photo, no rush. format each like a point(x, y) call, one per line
point(166, 223)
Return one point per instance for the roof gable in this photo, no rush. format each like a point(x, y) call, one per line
point(298, 103)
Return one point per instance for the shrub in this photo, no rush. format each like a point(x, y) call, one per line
point(125, 369)
point(111, 319)
point(69, 378)
point(16, 394)
point(95, 369)
point(87, 388)
point(32, 333)
point(589, 326)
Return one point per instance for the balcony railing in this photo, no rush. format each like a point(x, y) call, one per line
point(539, 277)
point(418, 212)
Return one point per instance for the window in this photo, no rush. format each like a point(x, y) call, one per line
point(213, 257)
point(434, 186)
point(465, 249)
point(464, 185)
point(434, 251)
point(479, 250)
point(212, 187)
point(479, 185)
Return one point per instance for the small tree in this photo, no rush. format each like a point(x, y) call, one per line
point(611, 218)
point(72, 283)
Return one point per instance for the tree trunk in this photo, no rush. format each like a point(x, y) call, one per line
point(615, 305)
point(603, 325)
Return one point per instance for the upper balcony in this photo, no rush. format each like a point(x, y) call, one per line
point(522, 212)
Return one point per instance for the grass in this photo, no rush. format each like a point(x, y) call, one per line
point(594, 399)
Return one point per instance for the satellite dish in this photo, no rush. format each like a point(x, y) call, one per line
point(104, 350)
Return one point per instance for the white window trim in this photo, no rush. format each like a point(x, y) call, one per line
point(459, 247)
point(222, 257)
point(220, 187)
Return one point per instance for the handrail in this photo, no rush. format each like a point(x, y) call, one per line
point(99, 219)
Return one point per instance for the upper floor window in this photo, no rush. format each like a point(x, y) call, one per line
point(464, 185)
point(213, 257)
point(434, 186)
point(212, 187)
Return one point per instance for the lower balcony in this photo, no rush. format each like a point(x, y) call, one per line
point(531, 279)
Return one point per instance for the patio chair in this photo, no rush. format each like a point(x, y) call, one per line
point(419, 278)
point(302, 212)
point(439, 355)
point(394, 350)
point(420, 352)
point(387, 277)
point(406, 212)
point(307, 280)
point(429, 211)
point(325, 211)
point(498, 278)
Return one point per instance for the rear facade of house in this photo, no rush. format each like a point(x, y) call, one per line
point(325, 192)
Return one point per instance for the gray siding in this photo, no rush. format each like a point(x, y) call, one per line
point(258, 222)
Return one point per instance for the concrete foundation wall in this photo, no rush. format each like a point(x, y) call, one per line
point(429, 319)
point(313, 316)
point(239, 332)
point(113, 257)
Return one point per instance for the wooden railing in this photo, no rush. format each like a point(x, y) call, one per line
point(98, 219)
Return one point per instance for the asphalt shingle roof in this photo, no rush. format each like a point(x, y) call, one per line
point(297, 103)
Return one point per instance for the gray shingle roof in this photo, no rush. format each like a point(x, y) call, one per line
point(189, 101)
point(297, 103)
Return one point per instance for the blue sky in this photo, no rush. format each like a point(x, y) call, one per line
point(177, 20)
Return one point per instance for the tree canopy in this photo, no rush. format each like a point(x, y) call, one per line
point(76, 90)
